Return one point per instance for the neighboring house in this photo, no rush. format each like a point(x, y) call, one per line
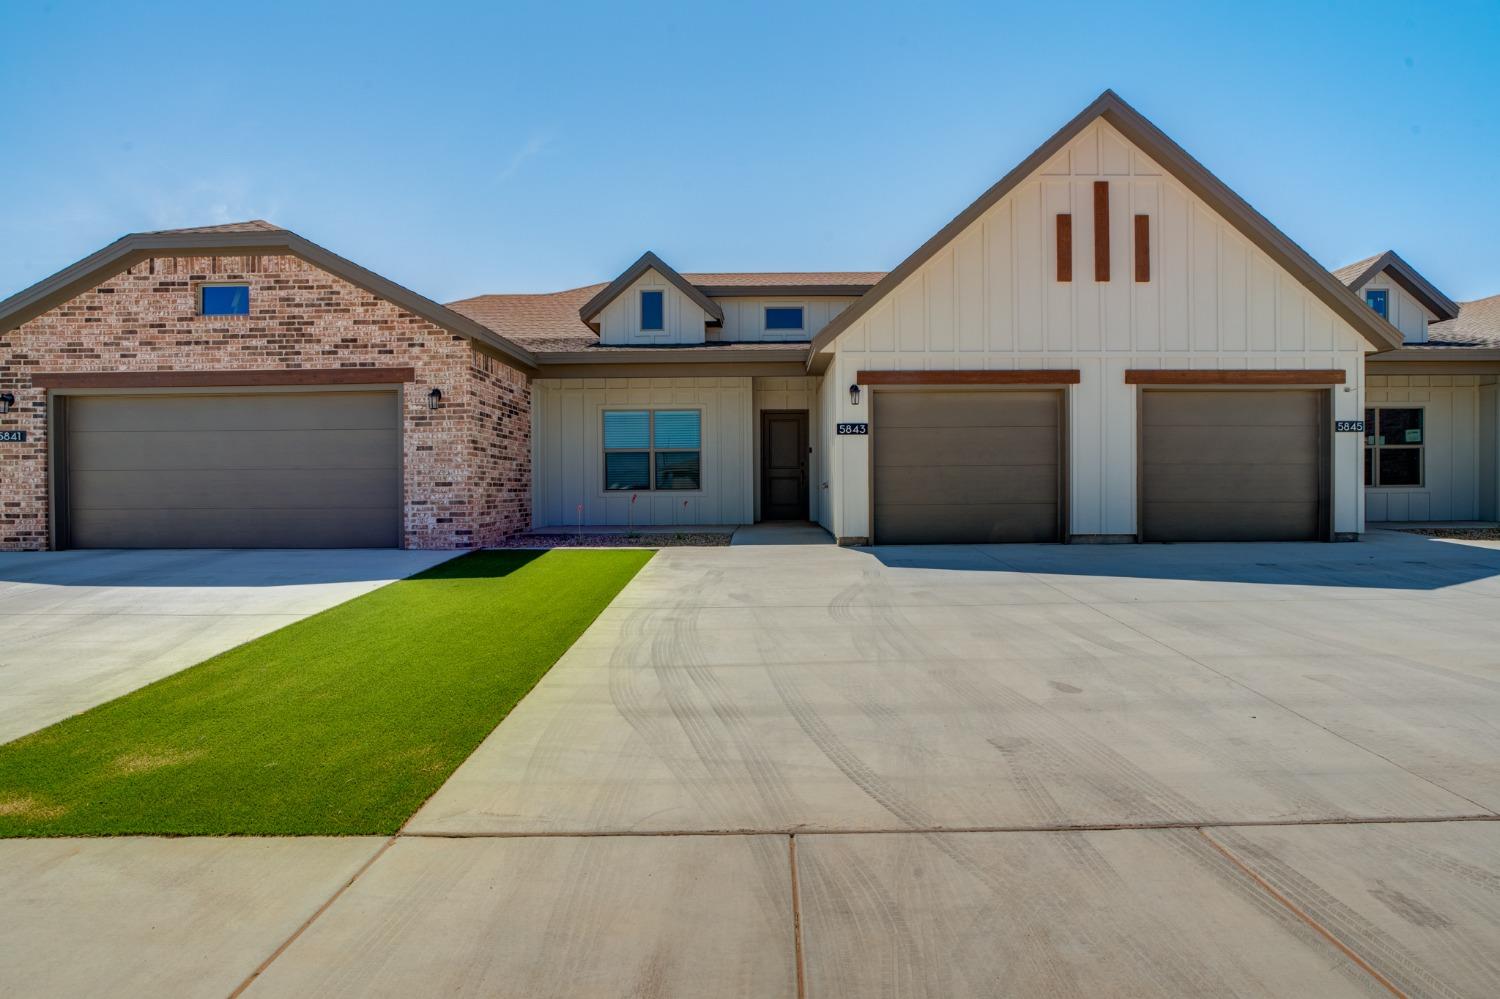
point(1108, 345)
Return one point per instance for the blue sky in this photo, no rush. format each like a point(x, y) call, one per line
point(516, 147)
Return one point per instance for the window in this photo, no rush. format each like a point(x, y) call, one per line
point(652, 449)
point(653, 311)
point(1393, 447)
point(783, 317)
point(1379, 300)
point(224, 300)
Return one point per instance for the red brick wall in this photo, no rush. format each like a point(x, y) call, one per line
point(467, 464)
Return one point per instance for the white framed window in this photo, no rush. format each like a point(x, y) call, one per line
point(653, 310)
point(1394, 442)
point(653, 449)
point(784, 319)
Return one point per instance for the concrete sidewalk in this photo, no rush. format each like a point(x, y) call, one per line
point(810, 771)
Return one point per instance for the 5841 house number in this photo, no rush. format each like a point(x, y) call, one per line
point(12, 437)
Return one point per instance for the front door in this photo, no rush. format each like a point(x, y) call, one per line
point(783, 464)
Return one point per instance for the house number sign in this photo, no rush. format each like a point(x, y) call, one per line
point(853, 429)
point(1349, 426)
point(12, 437)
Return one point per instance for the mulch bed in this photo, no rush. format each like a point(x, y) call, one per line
point(1455, 533)
point(683, 540)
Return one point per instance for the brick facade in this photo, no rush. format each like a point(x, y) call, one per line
point(467, 464)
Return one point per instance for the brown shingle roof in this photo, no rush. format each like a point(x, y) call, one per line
point(253, 225)
point(1350, 273)
point(550, 322)
point(1477, 325)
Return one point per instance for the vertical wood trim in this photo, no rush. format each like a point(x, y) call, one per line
point(1143, 248)
point(1101, 230)
point(1064, 247)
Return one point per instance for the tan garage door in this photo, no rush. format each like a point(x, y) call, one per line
point(962, 467)
point(1234, 466)
point(287, 470)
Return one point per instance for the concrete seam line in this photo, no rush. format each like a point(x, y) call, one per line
point(797, 919)
point(260, 968)
point(1369, 820)
point(1300, 914)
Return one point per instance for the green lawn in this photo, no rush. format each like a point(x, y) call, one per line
point(343, 723)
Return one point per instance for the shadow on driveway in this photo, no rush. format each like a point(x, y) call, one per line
point(1381, 560)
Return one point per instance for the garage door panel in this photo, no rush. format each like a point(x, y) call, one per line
point(1233, 466)
point(1210, 483)
point(974, 485)
point(226, 449)
point(1206, 446)
point(272, 411)
point(968, 409)
point(231, 489)
point(947, 524)
point(1231, 522)
point(290, 469)
point(321, 528)
point(966, 467)
point(925, 447)
point(1230, 408)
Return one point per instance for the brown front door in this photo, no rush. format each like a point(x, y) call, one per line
point(783, 464)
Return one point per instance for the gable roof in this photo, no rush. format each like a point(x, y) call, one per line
point(238, 239)
point(1356, 275)
point(1189, 172)
point(648, 262)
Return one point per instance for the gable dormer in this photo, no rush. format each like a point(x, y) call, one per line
point(650, 304)
point(1402, 296)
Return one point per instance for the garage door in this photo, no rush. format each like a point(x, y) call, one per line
point(966, 467)
point(1234, 466)
point(288, 470)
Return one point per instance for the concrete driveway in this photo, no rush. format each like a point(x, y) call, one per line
point(806, 771)
point(81, 628)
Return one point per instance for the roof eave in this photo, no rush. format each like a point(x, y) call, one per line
point(1189, 172)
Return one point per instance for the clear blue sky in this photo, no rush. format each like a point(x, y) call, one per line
point(518, 147)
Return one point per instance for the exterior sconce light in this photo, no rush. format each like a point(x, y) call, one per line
point(433, 398)
point(854, 394)
point(6, 401)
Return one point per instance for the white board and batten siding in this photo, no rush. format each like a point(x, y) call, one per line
point(1456, 443)
point(745, 319)
point(1405, 313)
point(682, 320)
point(568, 452)
point(990, 300)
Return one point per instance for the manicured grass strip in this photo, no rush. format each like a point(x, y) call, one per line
point(343, 723)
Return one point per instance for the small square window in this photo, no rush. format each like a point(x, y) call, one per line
point(1379, 300)
point(653, 311)
point(783, 317)
point(224, 300)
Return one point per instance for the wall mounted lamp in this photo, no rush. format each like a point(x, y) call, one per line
point(854, 394)
point(6, 401)
point(433, 398)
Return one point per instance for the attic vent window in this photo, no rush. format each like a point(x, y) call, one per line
point(783, 318)
point(224, 300)
point(1379, 300)
point(653, 311)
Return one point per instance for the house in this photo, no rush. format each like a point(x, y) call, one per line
point(1108, 345)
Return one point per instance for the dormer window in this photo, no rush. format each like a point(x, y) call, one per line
point(784, 318)
point(1379, 300)
point(653, 311)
